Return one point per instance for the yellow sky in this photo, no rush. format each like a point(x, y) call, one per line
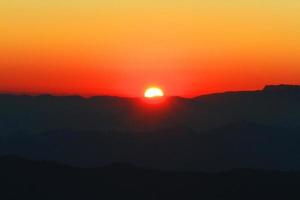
point(202, 46)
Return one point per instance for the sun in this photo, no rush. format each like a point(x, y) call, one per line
point(153, 92)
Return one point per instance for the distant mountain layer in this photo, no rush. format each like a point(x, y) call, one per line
point(26, 179)
point(251, 129)
point(282, 88)
point(274, 105)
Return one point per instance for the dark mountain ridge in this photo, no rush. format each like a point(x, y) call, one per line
point(21, 178)
point(252, 129)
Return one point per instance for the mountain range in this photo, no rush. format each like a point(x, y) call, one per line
point(22, 178)
point(247, 129)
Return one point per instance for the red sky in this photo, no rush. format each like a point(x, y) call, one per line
point(187, 49)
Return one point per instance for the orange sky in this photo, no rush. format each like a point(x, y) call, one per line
point(188, 48)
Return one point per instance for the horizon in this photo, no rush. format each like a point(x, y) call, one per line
point(141, 96)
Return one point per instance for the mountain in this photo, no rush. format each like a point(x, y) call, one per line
point(247, 129)
point(27, 179)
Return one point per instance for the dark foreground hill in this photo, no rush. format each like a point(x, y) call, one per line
point(256, 129)
point(25, 179)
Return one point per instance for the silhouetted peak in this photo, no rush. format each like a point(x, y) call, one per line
point(282, 88)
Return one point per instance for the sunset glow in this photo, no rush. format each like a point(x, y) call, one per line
point(191, 47)
point(153, 92)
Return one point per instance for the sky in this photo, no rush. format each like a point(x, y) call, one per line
point(188, 48)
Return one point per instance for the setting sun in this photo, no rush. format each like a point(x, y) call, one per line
point(153, 92)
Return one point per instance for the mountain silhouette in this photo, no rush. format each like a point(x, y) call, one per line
point(21, 178)
point(247, 129)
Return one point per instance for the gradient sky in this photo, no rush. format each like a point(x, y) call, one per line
point(191, 47)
